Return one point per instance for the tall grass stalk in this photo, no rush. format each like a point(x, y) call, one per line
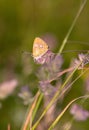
point(32, 111)
point(71, 27)
point(61, 114)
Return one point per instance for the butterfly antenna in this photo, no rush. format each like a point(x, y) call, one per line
point(78, 42)
point(75, 51)
point(26, 53)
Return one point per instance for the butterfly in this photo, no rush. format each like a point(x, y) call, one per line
point(40, 47)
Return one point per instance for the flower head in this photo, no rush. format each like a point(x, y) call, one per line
point(79, 113)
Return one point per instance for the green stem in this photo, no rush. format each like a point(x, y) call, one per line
point(61, 114)
point(37, 106)
point(29, 114)
point(71, 28)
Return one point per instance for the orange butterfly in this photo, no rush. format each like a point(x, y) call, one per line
point(40, 47)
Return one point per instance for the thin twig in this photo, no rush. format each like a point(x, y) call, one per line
point(61, 73)
point(29, 115)
point(64, 110)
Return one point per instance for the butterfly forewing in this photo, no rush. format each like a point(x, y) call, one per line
point(40, 47)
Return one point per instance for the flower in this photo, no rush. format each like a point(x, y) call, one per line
point(79, 113)
point(82, 60)
point(26, 95)
point(47, 88)
point(7, 87)
point(51, 67)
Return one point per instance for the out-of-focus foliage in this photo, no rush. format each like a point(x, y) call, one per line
point(20, 22)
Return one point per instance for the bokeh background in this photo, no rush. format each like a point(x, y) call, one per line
point(20, 22)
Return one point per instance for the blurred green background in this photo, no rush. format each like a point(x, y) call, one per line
point(20, 22)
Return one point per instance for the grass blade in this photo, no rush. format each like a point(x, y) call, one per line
point(29, 114)
point(71, 27)
point(61, 114)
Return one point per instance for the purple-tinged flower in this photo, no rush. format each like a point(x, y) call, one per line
point(79, 113)
point(46, 58)
point(51, 68)
point(82, 60)
point(7, 88)
point(47, 88)
point(26, 95)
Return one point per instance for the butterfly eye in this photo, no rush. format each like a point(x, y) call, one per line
point(41, 46)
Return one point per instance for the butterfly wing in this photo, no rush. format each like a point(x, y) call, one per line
point(40, 47)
